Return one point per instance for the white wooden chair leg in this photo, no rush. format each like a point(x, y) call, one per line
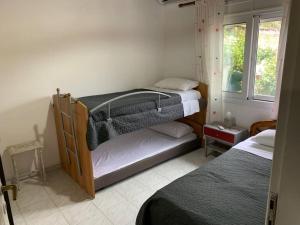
point(42, 164)
point(35, 161)
point(16, 173)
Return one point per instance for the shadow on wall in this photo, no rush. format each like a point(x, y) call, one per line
point(27, 122)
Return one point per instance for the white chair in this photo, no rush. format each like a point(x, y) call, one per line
point(35, 146)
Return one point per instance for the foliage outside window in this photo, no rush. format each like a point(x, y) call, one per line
point(234, 50)
point(261, 73)
point(266, 62)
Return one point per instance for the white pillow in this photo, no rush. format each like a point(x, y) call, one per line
point(266, 137)
point(173, 129)
point(177, 84)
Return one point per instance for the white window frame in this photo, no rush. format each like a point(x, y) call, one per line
point(238, 19)
point(257, 18)
point(252, 20)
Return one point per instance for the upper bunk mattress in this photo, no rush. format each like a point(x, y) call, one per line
point(191, 100)
point(134, 112)
point(133, 147)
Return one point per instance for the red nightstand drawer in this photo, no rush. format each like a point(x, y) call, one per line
point(219, 134)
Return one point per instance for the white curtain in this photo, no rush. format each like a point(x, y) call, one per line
point(209, 46)
point(281, 55)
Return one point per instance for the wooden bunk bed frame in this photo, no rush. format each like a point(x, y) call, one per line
point(71, 118)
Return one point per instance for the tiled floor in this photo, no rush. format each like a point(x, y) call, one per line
point(62, 202)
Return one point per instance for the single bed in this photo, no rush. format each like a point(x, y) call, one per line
point(230, 190)
point(93, 132)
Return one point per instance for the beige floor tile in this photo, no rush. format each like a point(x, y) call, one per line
point(39, 210)
point(19, 220)
point(55, 219)
point(131, 222)
point(130, 188)
point(97, 220)
point(60, 182)
point(169, 171)
point(121, 214)
point(18, 217)
point(183, 166)
point(30, 193)
point(152, 180)
point(79, 211)
point(67, 198)
point(139, 199)
point(108, 198)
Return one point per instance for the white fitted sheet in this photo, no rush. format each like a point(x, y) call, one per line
point(190, 99)
point(190, 107)
point(257, 149)
point(130, 148)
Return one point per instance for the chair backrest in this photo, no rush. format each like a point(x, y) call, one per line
point(261, 126)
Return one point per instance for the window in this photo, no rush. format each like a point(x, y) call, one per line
point(250, 52)
point(266, 59)
point(234, 50)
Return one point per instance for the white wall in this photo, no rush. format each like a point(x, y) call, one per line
point(83, 47)
point(248, 113)
point(179, 57)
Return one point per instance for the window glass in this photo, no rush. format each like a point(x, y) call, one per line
point(266, 61)
point(233, 56)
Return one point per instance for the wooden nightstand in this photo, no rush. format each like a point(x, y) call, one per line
point(218, 140)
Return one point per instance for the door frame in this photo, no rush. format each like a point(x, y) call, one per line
point(5, 194)
point(284, 181)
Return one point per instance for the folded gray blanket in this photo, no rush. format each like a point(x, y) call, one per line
point(128, 114)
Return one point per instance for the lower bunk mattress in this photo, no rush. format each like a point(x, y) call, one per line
point(230, 190)
point(134, 152)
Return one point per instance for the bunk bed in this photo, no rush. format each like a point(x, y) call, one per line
point(231, 189)
point(85, 135)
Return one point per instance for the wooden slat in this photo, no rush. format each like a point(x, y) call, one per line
point(85, 180)
point(203, 89)
point(198, 120)
point(62, 153)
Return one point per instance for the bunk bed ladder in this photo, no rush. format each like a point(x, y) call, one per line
point(72, 134)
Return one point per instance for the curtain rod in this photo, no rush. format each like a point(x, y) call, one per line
point(181, 5)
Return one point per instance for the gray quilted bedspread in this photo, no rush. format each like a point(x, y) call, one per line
point(128, 114)
point(230, 190)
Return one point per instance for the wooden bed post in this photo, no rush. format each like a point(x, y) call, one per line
point(261, 126)
point(84, 175)
point(198, 120)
